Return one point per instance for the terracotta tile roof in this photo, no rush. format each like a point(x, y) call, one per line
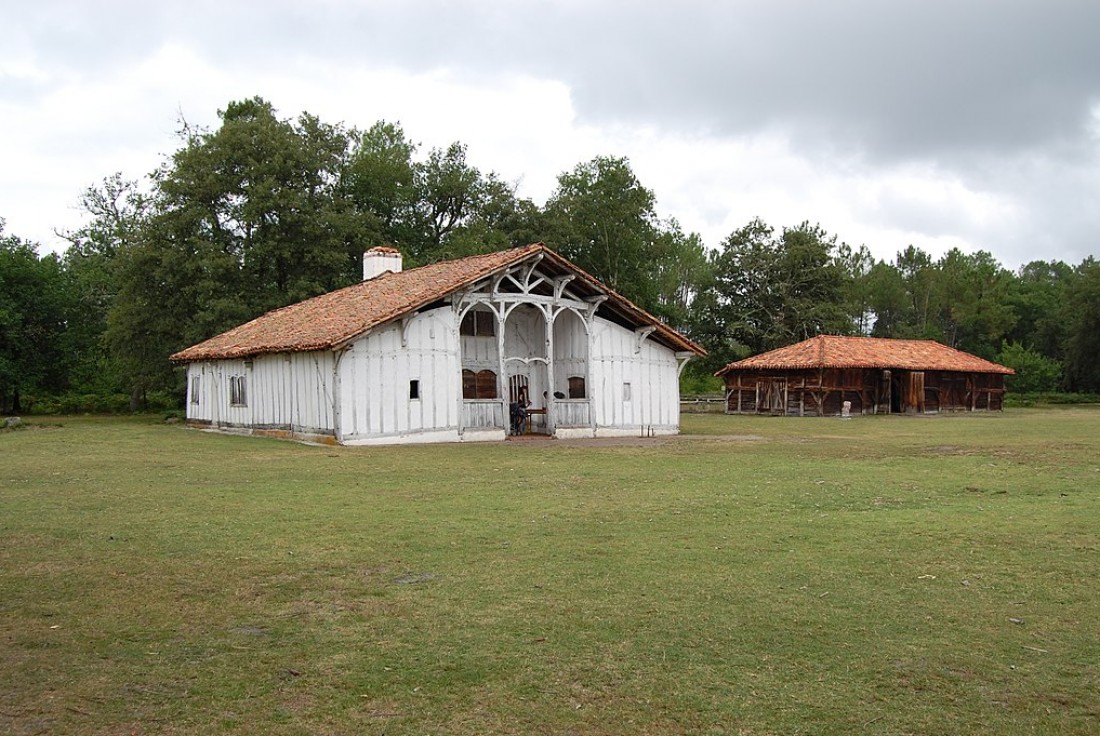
point(329, 320)
point(833, 351)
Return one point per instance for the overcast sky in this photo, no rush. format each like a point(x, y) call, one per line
point(936, 123)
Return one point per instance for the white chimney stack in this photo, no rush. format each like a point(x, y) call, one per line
point(377, 261)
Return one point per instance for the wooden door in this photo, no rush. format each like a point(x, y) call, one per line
point(914, 398)
point(771, 396)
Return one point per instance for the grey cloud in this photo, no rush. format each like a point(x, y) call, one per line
point(908, 79)
point(994, 93)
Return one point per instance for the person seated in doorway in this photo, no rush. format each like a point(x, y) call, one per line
point(519, 412)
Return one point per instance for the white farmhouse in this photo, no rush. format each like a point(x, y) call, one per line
point(441, 353)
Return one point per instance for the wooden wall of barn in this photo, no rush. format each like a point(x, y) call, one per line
point(635, 388)
point(871, 391)
point(402, 380)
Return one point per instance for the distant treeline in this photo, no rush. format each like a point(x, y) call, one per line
point(263, 212)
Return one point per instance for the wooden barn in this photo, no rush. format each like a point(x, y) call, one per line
point(443, 353)
point(877, 376)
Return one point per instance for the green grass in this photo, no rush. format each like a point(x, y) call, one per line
point(883, 575)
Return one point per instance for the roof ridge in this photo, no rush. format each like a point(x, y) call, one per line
point(341, 315)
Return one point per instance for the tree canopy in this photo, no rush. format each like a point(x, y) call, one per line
point(264, 211)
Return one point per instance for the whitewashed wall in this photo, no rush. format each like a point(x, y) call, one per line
point(653, 405)
point(375, 374)
point(525, 338)
point(362, 394)
point(570, 350)
point(480, 353)
point(291, 391)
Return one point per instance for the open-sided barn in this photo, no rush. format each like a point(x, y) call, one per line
point(877, 375)
point(442, 353)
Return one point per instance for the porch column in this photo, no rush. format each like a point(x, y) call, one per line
point(502, 379)
point(548, 317)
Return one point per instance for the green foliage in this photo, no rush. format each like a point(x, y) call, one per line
point(771, 290)
point(962, 300)
point(699, 382)
point(118, 210)
point(34, 305)
point(1034, 372)
point(1082, 319)
point(1049, 398)
point(265, 211)
point(1037, 297)
point(603, 219)
point(974, 313)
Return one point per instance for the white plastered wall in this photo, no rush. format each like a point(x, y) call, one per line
point(651, 404)
point(292, 391)
point(375, 377)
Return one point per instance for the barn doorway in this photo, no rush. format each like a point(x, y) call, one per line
point(526, 365)
point(771, 396)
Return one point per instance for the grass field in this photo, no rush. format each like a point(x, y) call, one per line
point(882, 575)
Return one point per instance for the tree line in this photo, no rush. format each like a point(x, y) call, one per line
point(264, 211)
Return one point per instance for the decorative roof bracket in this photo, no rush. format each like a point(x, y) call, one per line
point(594, 303)
point(560, 284)
point(405, 322)
point(642, 333)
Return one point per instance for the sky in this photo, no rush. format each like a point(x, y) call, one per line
point(942, 124)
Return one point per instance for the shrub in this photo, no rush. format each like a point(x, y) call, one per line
point(1034, 372)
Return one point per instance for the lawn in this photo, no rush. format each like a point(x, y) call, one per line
point(886, 575)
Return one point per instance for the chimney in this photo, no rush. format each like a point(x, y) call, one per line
point(377, 261)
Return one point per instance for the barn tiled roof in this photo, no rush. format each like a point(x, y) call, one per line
point(329, 320)
point(833, 351)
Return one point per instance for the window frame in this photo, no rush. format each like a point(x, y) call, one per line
point(238, 391)
point(478, 323)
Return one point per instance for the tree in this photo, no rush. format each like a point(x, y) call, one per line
point(1037, 296)
point(1034, 372)
point(449, 193)
point(771, 290)
point(680, 271)
point(32, 322)
point(496, 220)
point(118, 210)
point(857, 264)
point(919, 277)
point(889, 300)
point(602, 218)
point(245, 219)
point(1082, 317)
point(379, 181)
point(974, 314)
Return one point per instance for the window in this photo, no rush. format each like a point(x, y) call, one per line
point(194, 390)
point(576, 387)
point(238, 396)
point(414, 389)
point(478, 323)
point(479, 385)
point(626, 392)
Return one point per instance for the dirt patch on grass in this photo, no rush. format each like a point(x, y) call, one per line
point(654, 441)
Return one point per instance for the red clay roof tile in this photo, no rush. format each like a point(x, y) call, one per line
point(329, 320)
point(834, 351)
